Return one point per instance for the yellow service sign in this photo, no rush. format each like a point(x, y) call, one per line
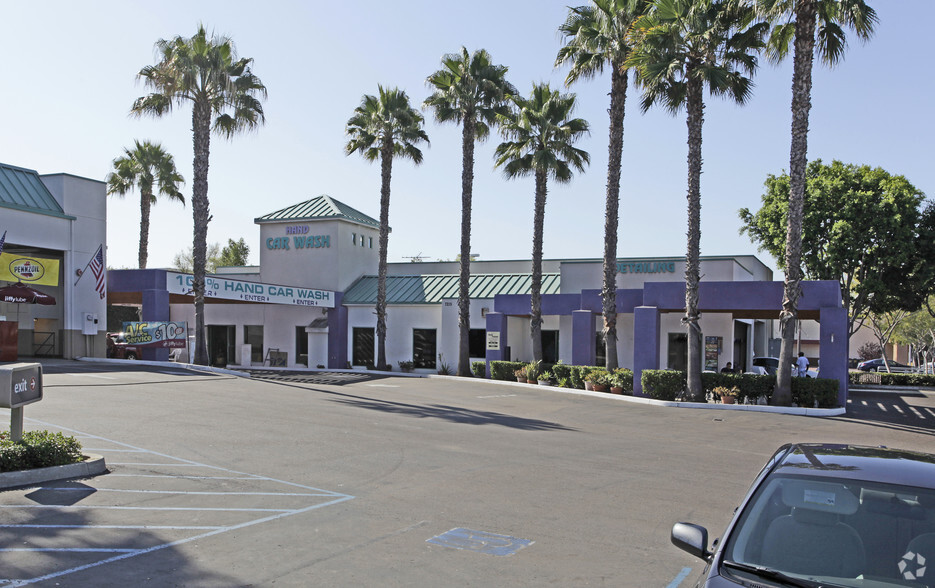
point(28, 269)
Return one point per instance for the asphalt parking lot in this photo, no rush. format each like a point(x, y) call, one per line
point(354, 480)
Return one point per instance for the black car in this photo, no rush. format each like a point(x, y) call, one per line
point(876, 365)
point(827, 515)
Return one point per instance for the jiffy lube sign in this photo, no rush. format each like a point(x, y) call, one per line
point(227, 289)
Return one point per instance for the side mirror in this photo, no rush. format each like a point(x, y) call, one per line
point(691, 538)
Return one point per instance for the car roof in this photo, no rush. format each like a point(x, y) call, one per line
point(856, 462)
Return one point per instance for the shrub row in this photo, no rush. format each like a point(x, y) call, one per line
point(886, 379)
point(670, 384)
point(37, 449)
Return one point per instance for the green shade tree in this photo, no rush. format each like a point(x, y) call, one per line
point(471, 91)
point(597, 35)
point(540, 136)
point(861, 227)
point(811, 26)
point(680, 48)
point(151, 169)
point(234, 254)
point(385, 127)
point(226, 99)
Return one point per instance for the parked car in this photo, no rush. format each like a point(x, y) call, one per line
point(876, 365)
point(118, 348)
point(827, 515)
point(771, 364)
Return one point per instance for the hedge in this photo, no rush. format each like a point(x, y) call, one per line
point(886, 379)
point(479, 369)
point(670, 384)
point(505, 370)
point(37, 449)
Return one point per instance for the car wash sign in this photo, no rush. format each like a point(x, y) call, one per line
point(220, 288)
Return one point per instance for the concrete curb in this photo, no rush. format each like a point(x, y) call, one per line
point(91, 466)
point(793, 410)
point(185, 366)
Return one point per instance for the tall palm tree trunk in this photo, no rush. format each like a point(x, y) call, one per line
point(798, 160)
point(535, 319)
point(386, 172)
point(618, 96)
point(464, 298)
point(146, 199)
point(695, 108)
point(201, 125)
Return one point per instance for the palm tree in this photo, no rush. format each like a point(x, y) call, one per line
point(681, 47)
point(595, 36)
point(146, 166)
point(540, 137)
point(225, 95)
point(798, 22)
point(471, 91)
point(385, 127)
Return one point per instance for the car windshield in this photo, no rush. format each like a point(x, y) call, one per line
point(835, 532)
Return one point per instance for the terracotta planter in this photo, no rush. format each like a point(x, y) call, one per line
point(616, 389)
point(600, 387)
point(530, 381)
point(727, 400)
point(521, 380)
point(588, 386)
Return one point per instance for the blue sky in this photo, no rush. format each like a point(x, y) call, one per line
point(70, 79)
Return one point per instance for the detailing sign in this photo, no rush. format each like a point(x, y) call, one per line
point(224, 289)
point(645, 267)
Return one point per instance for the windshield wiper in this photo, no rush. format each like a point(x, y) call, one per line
point(770, 573)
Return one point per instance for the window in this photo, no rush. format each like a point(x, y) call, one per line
point(354, 238)
point(363, 346)
point(678, 352)
point(371, 242)
point(550, 346)
point(253, 335)
point(423, 348)
point(477, 343)
point(600, 349)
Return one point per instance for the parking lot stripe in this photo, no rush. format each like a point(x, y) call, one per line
point(180, 493)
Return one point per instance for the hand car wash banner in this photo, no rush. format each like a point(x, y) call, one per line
point(157, 334)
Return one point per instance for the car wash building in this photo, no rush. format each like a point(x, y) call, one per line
point(310, 303)
point(52, 265)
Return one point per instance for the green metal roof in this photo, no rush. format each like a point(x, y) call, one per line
point(322, 207)
point(21, 189)
point(432, 289)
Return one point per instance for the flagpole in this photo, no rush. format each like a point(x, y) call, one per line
point(81, 275)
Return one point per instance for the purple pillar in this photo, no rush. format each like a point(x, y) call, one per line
point(582, 337)
point(833, 346)
point(337, 333)
point(496, 323)
point(645, 344)
point(155, 308)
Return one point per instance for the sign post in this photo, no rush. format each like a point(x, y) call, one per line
point(20, 384)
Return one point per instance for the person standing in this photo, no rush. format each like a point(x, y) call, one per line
point(802, 364)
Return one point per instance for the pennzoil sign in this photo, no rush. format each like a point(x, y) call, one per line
point(28, 269)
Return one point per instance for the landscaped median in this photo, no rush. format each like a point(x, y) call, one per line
point(41, 456)
point(666, 387)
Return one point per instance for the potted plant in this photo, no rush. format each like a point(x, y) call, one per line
point(520, 375)
point(405, 366)
point(545, 379)
point(532, 372)
point(728, 395)
point(616, 383)
point(600, 379)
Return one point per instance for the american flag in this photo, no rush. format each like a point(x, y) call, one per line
point(2, 239)
point(97, 268)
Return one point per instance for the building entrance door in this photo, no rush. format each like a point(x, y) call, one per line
point(221, 339)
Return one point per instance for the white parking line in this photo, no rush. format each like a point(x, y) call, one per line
point(264, 498)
